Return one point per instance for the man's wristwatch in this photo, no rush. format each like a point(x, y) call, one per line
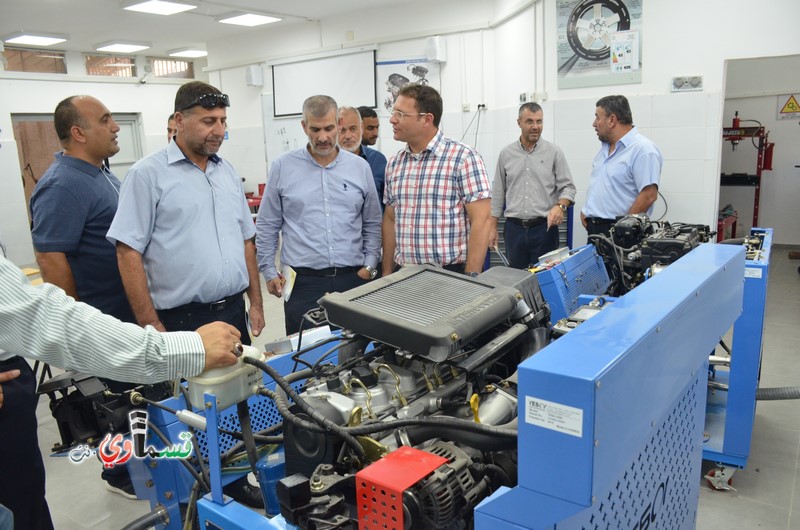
point(563, 208)
point(372, 271)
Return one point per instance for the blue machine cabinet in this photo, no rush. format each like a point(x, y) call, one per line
point(583, 272)
point(730, 415)
point(611, 415)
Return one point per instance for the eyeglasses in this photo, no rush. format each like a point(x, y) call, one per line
point(209, 101)
point(400, 115)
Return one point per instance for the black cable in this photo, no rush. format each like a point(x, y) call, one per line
point(247, 433)
point(186, 464)
point(342, 344)
point(201, 461)
point(256, 436)
point(140, 398)
point(724, 346)
point(296, 355)
point(308, 409)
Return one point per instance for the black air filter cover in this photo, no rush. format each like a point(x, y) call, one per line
point(422, 309)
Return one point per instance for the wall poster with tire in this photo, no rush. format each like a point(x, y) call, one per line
point(599, 42)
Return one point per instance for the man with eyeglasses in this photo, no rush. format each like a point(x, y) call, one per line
point(72, 207)
point(184, 233)
point(323, 202)
point(351, 134)
point(437, 192)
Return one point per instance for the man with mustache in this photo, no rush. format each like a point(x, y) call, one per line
point(184, 233)
point(72, 207)
point(322, 200)
point(352, 132)
point(625, 172)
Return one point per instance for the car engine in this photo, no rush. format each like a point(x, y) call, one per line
point(433, 377)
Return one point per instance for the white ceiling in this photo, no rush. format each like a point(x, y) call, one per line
point(90, 22)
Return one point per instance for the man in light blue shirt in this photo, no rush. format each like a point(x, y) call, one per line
point(183, 230)
point(625, 172)
point(323, 202)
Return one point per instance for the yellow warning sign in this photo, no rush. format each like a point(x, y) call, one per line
point(788, 107)
point(791, 105)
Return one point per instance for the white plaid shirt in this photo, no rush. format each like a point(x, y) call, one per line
point(428, 192)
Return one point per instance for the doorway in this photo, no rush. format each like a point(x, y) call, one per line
point(758, 89)
point(37, 143)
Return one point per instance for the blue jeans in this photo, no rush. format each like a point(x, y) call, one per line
point(525, 245)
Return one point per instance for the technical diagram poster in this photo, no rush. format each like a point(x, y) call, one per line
point(393, 75)
point(599, 42)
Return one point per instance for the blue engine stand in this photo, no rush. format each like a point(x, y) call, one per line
point(611, 415)
point(730, 415)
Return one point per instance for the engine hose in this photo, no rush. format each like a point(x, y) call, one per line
point(308, 409)
point(778, 393)
point(735, 241)
point(499, 474)
point(149, 520)
point(482, 441)
point(247, 434)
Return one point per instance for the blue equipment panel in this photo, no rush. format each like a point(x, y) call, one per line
point(611, 415)
point(583, 272)
point(730, 415)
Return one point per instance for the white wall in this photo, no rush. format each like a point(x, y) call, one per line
point(491, 58)
point(495, 50)
point(152, 101)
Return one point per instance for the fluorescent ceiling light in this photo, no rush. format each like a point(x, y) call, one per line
point(159, 7)
point(192, 53)
point(34, 38)
point(122, 47)
point(247, 19)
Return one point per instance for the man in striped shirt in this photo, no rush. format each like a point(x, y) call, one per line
point(437, 192)
point(44, 323)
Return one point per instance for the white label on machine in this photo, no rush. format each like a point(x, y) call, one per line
point(752, 272)
point(554, 416)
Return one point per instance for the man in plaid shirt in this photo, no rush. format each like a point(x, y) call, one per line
point(437, 195)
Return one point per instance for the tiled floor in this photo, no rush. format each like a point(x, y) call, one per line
point(767, 493)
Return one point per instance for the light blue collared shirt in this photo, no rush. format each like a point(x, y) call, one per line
point(328, 216)
point(617, 179)
point(189, 226)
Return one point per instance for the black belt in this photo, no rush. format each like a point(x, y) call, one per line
point(203, 307)
point(330, 271)
point(599, 221)
point(527, 223)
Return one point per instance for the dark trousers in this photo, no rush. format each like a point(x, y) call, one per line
point(308, 289)
point(189, 317)
point(525, 245)
point(21, 466)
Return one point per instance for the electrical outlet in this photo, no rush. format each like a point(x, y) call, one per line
point(687, 83)
point(465, 107)
point(481, 106)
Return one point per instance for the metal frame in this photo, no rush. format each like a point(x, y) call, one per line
point(730, 415)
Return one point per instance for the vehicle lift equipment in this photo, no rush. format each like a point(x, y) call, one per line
point(734, 135)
